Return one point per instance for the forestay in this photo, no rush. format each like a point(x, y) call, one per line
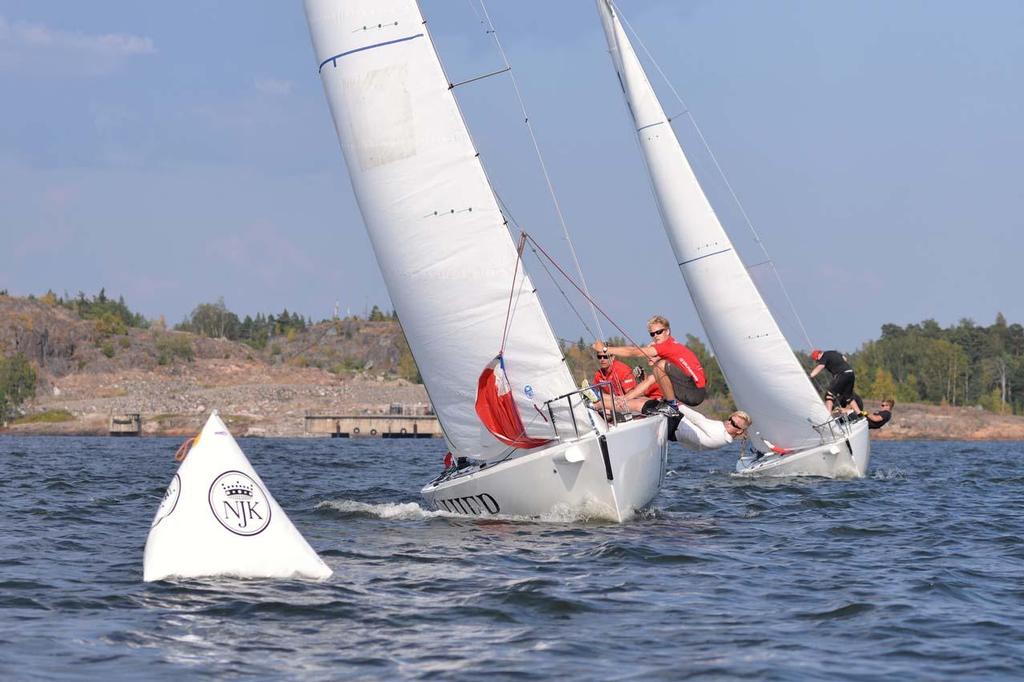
point(439, 237)
point(764, 376)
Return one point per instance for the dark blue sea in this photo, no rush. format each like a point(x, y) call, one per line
point(916, 572)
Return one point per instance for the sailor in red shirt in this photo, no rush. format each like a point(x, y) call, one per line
point(675, 368)
point(618, 373)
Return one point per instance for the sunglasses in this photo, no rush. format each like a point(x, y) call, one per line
point(657, 331)
point(735, 425)
point(603, 357)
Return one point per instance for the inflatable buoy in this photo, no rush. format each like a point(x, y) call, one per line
point(218, 518)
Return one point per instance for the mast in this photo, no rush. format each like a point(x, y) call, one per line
point(440, 239)
point(764, 376)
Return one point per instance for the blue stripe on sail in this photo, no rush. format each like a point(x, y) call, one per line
point(336, 57)
point(706, 255)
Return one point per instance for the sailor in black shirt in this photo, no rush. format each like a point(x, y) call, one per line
point(840, 391)
point(877, 420)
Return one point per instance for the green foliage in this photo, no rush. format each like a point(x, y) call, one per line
point(407, 368)
point(965, 364)
point(107, 349)
point(716, 386)
point(99, 307)
point(213, 320)
point(376, 315)
point(171, 347)
point(48, 417)
point(348, 364)
point(110, 324)
point(17, 384)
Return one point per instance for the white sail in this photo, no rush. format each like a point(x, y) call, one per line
point(440, 239)
point(764, 376)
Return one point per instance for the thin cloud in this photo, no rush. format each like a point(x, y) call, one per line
point(271, 86)
point(36, 48)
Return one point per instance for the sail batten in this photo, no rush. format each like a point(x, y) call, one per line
point(436, 229)
point(764, 376)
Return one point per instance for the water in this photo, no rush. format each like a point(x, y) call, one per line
point(917, 570)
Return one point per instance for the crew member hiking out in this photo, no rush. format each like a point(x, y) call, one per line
point(694, 431)
point(877, 420)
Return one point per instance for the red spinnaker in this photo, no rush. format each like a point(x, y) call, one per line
point(496, 407)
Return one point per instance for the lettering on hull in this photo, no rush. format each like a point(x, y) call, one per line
point(472, 505)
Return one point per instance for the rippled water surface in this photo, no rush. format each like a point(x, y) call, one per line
point(917, 571)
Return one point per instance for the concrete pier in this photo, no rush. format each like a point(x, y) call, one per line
point(373, 426)
point(128, 424)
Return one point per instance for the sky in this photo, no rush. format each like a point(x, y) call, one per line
point(175, 153)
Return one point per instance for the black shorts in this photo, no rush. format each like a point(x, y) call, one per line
point(683, 386)
point(840, 391)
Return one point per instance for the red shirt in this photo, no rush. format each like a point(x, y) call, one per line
point(683, 358)
point(620, 375)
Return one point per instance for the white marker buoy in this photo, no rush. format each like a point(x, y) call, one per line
point(218, 518)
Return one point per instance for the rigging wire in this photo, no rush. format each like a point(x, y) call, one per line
point(490, 30)
point(718, 168)
point(511, 219)
point(580, 289)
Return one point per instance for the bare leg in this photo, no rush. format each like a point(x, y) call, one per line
point(664, 382)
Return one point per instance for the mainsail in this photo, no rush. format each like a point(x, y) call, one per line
point(763, 374)
point(440, 238)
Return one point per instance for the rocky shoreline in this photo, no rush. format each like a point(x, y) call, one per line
point(273, 402)
point(260, 402)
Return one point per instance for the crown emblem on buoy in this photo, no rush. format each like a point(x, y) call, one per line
point(237, 489)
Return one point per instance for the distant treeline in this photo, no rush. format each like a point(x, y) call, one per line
point(216, 321)
point(112, 317)
point(963, 364)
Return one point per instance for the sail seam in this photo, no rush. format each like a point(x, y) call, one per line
point(336, 57)
point(706, 255)
point(649, 125)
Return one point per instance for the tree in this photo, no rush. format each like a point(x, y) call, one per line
point(717, 388)
point(17, 384)
point(882, 386)
point(213, 320)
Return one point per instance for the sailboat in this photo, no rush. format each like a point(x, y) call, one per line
point(794, 435)
point(521, 442)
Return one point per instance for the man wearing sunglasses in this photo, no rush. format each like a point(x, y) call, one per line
point(694, 431)
point(610, 369)
point(674, 368)
point(877, 420)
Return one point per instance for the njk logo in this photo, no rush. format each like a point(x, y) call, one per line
point(169, 502)
point(239, 503)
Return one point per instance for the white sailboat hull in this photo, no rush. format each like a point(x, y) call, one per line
point(566, 480)
point(847, 458)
